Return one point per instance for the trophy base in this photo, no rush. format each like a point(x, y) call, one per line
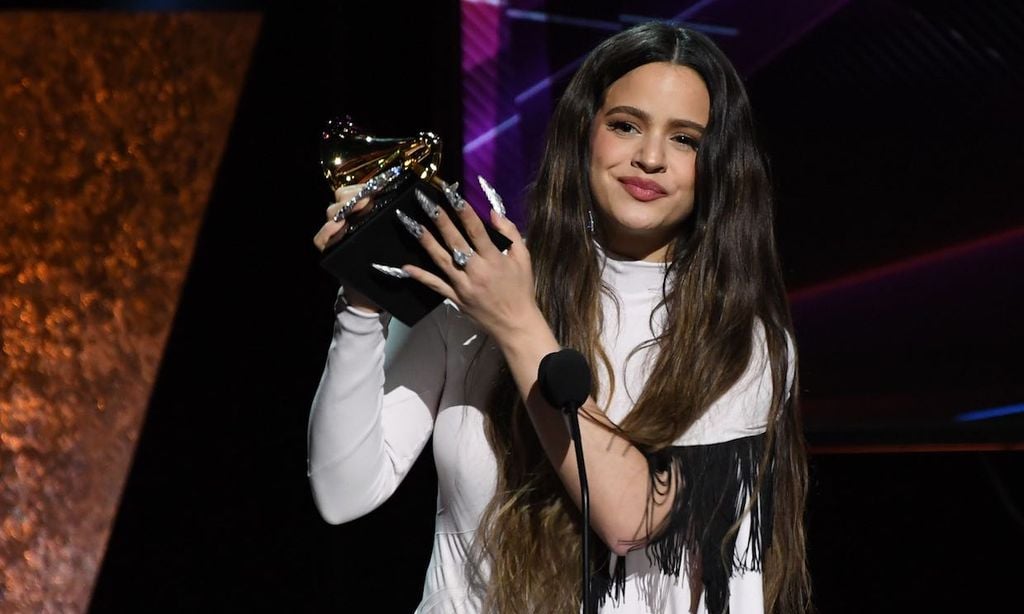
point(383, 240)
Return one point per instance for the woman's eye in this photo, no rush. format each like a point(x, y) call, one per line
point(623, 127)
point(687, 140)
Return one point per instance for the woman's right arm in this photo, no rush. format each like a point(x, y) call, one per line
point(367, 427)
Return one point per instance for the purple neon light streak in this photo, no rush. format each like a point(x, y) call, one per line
point(481, 44)
point(487, 107)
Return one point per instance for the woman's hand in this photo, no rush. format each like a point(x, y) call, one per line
point(334, 229)
point(494, 288)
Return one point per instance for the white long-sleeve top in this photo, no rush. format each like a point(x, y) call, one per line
point(369, 423)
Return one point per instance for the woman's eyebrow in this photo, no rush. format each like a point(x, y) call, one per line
point(646, 117)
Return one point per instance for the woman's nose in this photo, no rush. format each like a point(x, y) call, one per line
point(650, 156)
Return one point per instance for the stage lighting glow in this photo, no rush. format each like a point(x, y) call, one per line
point(988, 414)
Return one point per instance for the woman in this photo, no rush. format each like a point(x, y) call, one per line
point(651, 251)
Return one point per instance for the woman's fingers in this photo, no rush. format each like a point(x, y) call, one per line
point(474, 226)
point(488, 286)
point(442, 255)
point(478, 232)
point(347, 201)
point(439, 253)
point(373, 186)
point(347, 191)
point(517, 250)
point(332, 230)
point(505, 226)
point(328, 233)
point(453, 239)
point(350, 199)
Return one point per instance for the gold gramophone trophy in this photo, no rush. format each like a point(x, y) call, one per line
point(392, 169)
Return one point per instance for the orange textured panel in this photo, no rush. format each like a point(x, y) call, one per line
point(111, 129)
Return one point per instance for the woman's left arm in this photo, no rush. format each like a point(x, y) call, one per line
point(618, 474)
point(497, 290)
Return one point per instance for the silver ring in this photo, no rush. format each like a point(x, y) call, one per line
point(461, 258)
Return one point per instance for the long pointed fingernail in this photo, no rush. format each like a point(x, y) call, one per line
point(381, 180)
point(451, 192)
point(492, 196)
point(339, 214)
point(374, 185)
point(428, 206)
point(390, 271)
point(345, 209)
point(410, 224)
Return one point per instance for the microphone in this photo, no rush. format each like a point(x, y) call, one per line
point(564, 380)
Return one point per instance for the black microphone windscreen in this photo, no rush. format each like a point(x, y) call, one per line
point(564, 378)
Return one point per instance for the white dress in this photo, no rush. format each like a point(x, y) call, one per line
point(369, 423)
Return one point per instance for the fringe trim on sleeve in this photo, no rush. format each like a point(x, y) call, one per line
point(717, 482)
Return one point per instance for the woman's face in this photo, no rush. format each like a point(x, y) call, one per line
point(643, 154)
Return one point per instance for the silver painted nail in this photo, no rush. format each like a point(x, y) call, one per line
point(428, 205)
point(380, 180)
point(451, 192)
point(390, 271)
point(339, 214)
point(410, 224)
point(492, 196)
point(374, 185)
point(349, 205)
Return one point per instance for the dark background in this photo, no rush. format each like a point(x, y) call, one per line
point(885, 146)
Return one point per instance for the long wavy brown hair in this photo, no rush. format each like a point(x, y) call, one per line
point(723, 275)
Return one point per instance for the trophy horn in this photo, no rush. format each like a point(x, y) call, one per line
point(348, 155)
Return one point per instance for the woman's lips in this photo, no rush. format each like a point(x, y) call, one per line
point(642, 189)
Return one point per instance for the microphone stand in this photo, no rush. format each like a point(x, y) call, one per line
point(574, 432)
point(564, 379)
